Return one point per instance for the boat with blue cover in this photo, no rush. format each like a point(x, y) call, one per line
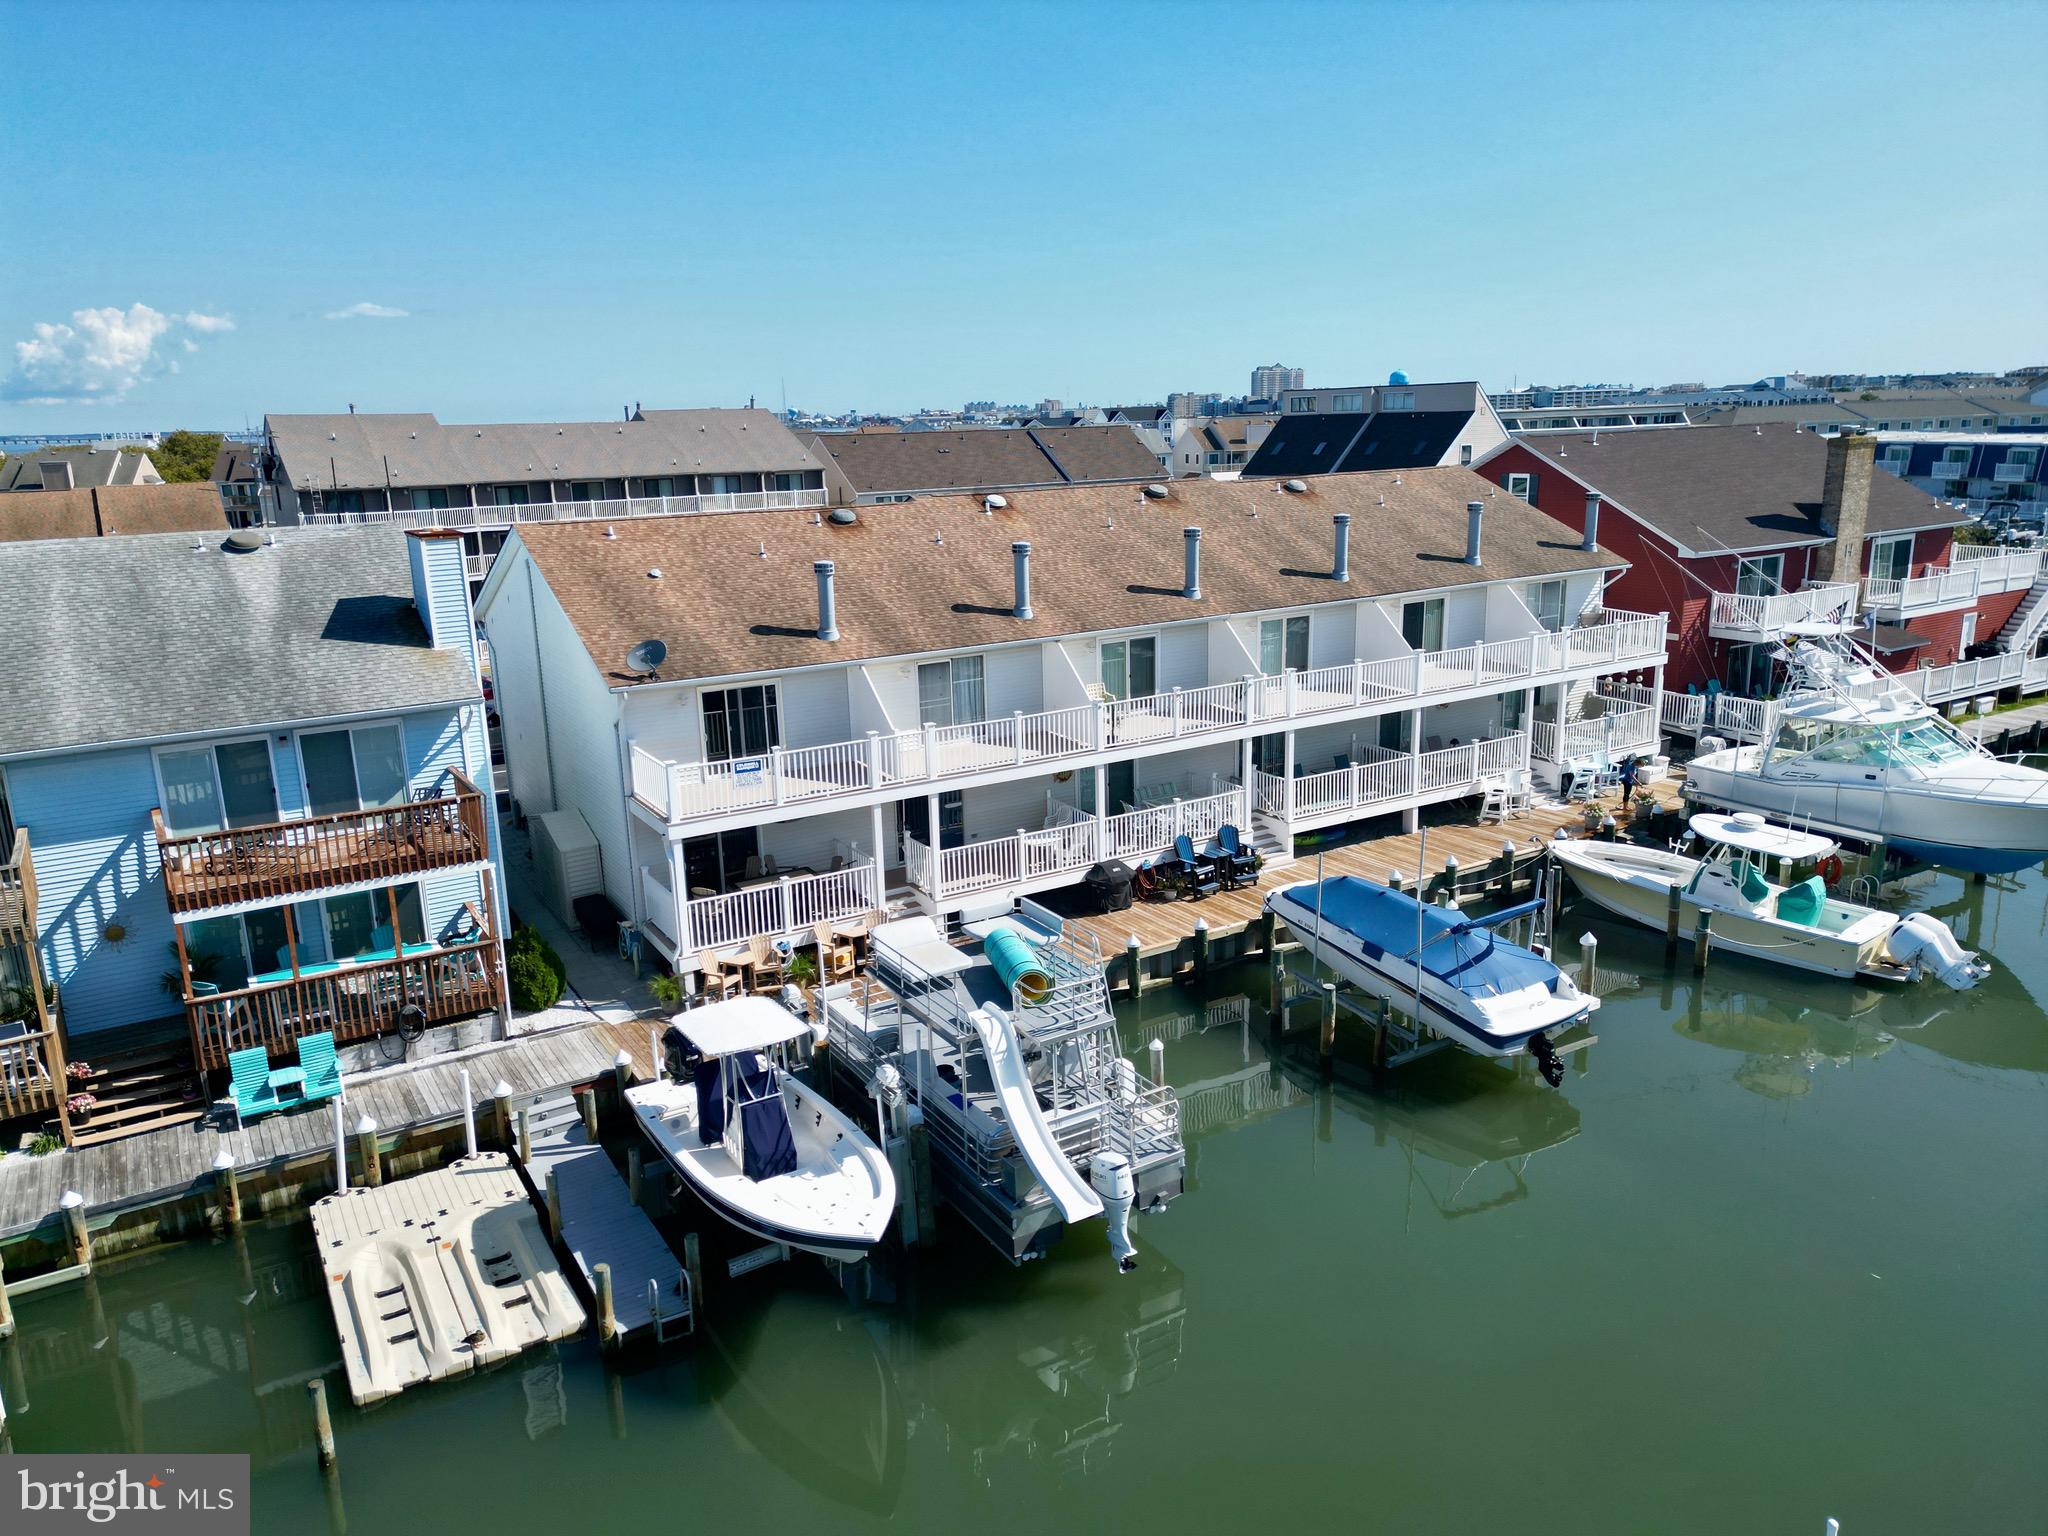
point(1491, 996)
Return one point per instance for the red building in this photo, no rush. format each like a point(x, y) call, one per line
point(1737, 531)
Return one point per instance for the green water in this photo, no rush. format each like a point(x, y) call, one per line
point(1776, 1254)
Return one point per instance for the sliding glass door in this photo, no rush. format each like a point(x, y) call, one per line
point(359, 769)
point(209, 789)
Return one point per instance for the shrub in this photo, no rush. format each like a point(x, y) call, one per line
point(534, 985)
point(44, 1144)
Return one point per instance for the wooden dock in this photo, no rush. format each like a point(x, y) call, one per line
point(1162, 927)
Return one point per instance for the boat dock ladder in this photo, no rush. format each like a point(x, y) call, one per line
point(600, 1224)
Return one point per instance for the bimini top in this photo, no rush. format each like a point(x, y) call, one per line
point(1459, 951)
point(739, 1024)
point(1752, 834)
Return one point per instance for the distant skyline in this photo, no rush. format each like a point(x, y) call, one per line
point(507, 211)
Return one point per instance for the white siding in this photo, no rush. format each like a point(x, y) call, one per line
point(816, 840)
point(1184, 658)
point(815, 711)
point(516, 677)
point(895, 685)
point(998, 810)
point(1332, 635)
point(1015, 680)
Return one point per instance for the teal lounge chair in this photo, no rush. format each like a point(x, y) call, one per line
point(254, 1088)
point(322, 1071)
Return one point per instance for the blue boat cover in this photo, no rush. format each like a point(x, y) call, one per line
point(1457, 950)
point(766, 1145)
point(710, 1101)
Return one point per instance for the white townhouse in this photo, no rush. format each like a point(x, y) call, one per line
point(965, 698)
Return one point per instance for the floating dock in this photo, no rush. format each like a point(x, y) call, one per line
point(600, 1224)
point(437, 1275)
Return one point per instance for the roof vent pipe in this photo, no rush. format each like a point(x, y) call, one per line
point(1020, 558)
point(1475, 514)
point(1592, 521)
point(1191, 581)
point(828, 602)
point(1340, 569)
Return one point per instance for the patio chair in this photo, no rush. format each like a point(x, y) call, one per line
point(1520, 796)
point(322, 1073)
point(1493, 800)
point(1201, 876)
point(1434, 743)
point(752, 868)
point(770, 868)
point(1243, 862)
point(835, 955)
point(765, 965)
point(21, 1060)
point(721, 976)
point(257, 1089)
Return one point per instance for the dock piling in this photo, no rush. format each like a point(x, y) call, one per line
point(229, 1188)
point(6, 1309)
point(693, 1266)
point(607, 1318)
point(501, 1103)
point(73, 1206)
point(323, 1422)
point(1382, 1029)
point(1133, 966)
point(634, 1176)
point(341, 1184)
point(1327, 1044)
point(1201, 948)
point(525, 1138)
point(468, 1117)
point(1589, 960)
point(586, 1101)
point(1450, 876)
point(367, 1154)
point(554, 1192)
point(1701, 936)
point(1157, 1050)
point(1671, 906)
point(1276, 996)
point(622, 1075)
point(1507, 869)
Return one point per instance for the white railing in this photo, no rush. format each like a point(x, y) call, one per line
point(787, 906)
point(658, 902)
point(1740, 719)
point(682, 791)
point(1758, 613)
point(1963, 679)
point(615, 510)
point(1968, 578)
point(1001, 862)
point(1619, 731)
point(2009, 473)
point(1387, 778)
point(2034, 675)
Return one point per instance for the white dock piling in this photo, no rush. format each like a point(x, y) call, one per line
point(228, 1186)
point(654, 1050)
point(341, 1184)
point(1589, 961)
point(73, 1206)
point(501, 1102)
point(1157, 1054)
point(468, 1117)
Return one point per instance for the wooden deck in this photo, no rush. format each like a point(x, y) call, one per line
point(163, 1165)
point(1163, 926)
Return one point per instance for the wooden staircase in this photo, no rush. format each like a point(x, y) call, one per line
point(143, 1086)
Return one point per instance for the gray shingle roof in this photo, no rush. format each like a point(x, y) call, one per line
point(89, 467)
point(352, 450)
point(986, 458)
point(112, 640)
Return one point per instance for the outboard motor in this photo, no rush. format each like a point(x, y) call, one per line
point(1548, 1062)
point(1922, 942)
point(678, 1055)
point(1110, 1173)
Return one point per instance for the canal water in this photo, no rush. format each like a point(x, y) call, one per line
point(1774, 1252)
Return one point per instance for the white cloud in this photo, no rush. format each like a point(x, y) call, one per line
point(101, 354)
point(367, 311)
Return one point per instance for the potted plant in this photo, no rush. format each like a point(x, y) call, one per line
point(78, 1071)
point(802, 968)
point(79, 1107)
point(203, 966)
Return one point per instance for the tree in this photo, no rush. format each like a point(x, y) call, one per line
point(186, 456)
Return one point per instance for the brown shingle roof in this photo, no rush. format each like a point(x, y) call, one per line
point(1714, 488)
point(111, 509)
point(1103, 557)
point(986, 458)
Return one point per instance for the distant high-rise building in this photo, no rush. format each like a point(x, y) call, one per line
point(1185, 403)
point(1267, 382)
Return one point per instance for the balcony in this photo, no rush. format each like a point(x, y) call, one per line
point(1385, 780)
point(1751, 616)
point(690, 791)
point(1976, 570)
point(18, 893)
point(356, 1000)
point(32, 1079)
point(613, 511)
point(210, 870)
point(1965, 679)
point(1029, 861)
point(788, 907)
point(1615, 734)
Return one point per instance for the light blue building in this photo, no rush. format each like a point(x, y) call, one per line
point(248, 770)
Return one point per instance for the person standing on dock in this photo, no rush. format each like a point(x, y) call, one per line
point(1628, 779)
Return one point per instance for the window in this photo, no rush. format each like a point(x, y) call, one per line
point(511, 495)
point(789, 482)
point(1749, 670)
point(208, 789)
point(720, 485)
point(1398, 400)
point(359, 925)
point(586, 490)
point(1301, 405)
point(1283, 644)
point(1422, 624)
point(1891, 559)
point(1760, 575)
point(433, 500)
point(1512, 708)
point(1464, 453)
point(1130, 667)
point(1347, 402)
point(1394, 732)
point(741, 722)
point(952, 692)
point(658, 485)
point(1522, 487)
point(1546, 601)
point(357, 769)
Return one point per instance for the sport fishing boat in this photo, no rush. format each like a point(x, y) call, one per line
point(1850, 751)
point(1472, 986)
point(1797, 924)
point(757, 1145)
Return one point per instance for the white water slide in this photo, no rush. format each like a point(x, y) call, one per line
point(1069, 1191)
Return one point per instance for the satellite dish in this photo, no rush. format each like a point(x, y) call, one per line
point(645, 659)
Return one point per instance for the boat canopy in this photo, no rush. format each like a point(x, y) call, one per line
point(1459, 951)
point(740, 1024)
point(920, 941)
point(1752, 834)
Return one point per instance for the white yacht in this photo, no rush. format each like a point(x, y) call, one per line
point(1797, 924)
point(1849, 751)
point(766, 1152)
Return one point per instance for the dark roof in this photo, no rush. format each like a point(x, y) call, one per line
point(1144, 415)
point(1104, 557)
point(167, 634)
point(111, 509)
point(1892, 638)
point(235, 462)
point(88, 466)
point(1735, 487)
point(1322, 444)
point(986, 458)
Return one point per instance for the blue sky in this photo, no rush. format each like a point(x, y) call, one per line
point(568, 209)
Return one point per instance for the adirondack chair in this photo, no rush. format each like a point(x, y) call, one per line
point(255, 1086)
point(1243, 862)
point(1201, 878)
point(322, 1073)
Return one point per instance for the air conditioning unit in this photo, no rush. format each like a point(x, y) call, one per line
point(567, 862)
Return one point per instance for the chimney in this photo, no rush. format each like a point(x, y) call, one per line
point(56, 474)
point(1592, 521)
point(1191, 582)
point(1020, 559)
point(1845, 504)
point(1475, 513)
point(828, 604)
point(1340, 568)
